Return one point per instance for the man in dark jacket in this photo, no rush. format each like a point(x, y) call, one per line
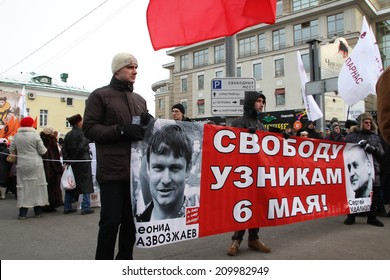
point(75, 151)
point(365, 135)
point(253, 105)
point(5, 167)
point(109, 121)
point(311, 129)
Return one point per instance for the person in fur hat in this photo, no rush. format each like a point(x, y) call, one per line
point(365, 134)
point(53, 169)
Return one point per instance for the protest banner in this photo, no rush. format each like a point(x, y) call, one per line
point(246, 181)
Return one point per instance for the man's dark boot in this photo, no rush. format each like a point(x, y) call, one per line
point(350, 220)
point(372, 220)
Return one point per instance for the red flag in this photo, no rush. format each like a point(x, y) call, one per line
point(175, 23)
point(35, 125)
point(10, 128)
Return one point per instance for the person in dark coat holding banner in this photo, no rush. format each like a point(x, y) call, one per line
point(253, 105)
point(366, 136)
point(109, 121)
point(75, 152)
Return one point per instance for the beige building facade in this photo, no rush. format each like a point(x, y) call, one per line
point(50, 100)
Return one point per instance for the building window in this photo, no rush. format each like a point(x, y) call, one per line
point(219, 54)
point(69, 101)
point(238, 72)
point(201, 58)
point(279, 8)
point(200, 82)
point(279, 39)
point(183, 87)
point(162, 89)
point(305, 31)
point(200, 105)
point(261, 43)
point(279, 67)
point(247, 46)
point(161, 104)
point(383, 35)
point(43, 115)
point(258, 71)
point(185, 104)
point(218, 74)
point(184, 62)
point(335, 25)
point(306, 62)
point(303, 4)
point(280, 97)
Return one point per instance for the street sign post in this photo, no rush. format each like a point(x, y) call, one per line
point(227, 95)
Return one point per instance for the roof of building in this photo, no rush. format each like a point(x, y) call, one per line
point(33, 79)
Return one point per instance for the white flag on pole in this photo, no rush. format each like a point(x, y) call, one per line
point(377, 54)
point(361, 69)
point(312, 109)
point(22, 103)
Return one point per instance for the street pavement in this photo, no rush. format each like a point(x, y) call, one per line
point(56, 236)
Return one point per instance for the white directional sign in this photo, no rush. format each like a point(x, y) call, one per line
point(227, 95)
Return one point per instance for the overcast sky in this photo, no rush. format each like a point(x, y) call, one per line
point(60, 41)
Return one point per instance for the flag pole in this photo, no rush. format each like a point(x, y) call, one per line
point(315, 75)
point(230, 56)
point(230, 62)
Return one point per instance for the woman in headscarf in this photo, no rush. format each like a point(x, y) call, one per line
point(53, 169)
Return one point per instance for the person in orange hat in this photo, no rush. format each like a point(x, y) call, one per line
point(31, 178)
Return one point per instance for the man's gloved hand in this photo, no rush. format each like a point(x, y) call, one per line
point(367, 147)
point(363, 143)
point(370, 149)
point(146, 118)
point(252, 130)
point(131, 132)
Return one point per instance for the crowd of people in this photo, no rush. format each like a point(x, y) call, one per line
point(34, 176)
point(114, 117)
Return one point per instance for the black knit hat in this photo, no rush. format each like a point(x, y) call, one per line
point(349, 123)
point(180, 107)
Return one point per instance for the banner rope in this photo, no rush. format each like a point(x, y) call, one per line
point(62, 161)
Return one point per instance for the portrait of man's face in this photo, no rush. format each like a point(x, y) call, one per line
point(359, 168)
point(167, 176)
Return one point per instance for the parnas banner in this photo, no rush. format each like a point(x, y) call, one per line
point(237, 180)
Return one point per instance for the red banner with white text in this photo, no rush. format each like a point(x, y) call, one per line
point(262, 179)
point(238, 180)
